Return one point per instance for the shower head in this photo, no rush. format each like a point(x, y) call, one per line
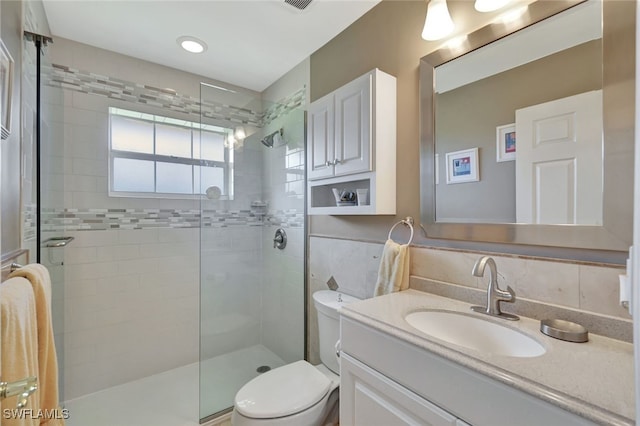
point(268, 141)
point(275, 138)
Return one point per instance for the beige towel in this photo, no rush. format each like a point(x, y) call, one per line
point(393, 274)
point(40, 280)
point(19, 345)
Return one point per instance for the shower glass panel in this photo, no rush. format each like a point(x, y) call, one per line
point(251, 294)
point(52, 180)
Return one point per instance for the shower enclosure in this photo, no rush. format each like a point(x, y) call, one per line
point(252, 289)
point(168, 284)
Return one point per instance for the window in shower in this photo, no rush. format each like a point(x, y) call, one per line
point(155, 156)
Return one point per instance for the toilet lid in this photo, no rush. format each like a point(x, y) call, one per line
point(282, 391)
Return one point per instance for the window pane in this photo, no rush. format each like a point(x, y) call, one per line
point(172, 140)
point(173, 178)
point(132, 175)
point(212, 146)
point(131, 135)
point(204, 177)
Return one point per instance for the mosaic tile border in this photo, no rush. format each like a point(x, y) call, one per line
point(115, 219)
point(88, 82)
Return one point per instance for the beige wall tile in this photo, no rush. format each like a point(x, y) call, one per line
point(442, 265)
point(600, 290)
point(551, 282)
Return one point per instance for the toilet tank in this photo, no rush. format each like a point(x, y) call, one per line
point(327, 303)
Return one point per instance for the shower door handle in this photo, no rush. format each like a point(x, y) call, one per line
point(23, 388)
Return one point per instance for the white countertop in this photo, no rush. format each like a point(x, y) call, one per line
point(593, 379)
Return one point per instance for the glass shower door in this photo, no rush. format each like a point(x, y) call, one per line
point(43, 180)
point(251, 293)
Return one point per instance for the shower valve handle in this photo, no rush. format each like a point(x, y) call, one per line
point(280, 239)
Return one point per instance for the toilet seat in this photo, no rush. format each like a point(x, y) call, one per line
point(281, 392)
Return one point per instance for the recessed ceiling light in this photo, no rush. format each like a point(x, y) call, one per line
point(192, 44)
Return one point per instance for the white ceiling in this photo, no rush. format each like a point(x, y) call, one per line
point(252, 43)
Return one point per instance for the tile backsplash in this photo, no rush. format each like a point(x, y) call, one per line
point(354, 265)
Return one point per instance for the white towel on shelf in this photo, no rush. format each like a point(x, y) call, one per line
point(393, 274)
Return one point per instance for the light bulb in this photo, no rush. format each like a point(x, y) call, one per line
point(438, 23)
point(192, 44)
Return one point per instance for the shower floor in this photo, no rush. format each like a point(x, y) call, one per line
point(172, 398)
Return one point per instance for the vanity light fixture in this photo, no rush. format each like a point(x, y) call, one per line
point(192, 44)
point(489, 5)
point(438, 23)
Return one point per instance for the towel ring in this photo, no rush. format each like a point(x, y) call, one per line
point(406, 222)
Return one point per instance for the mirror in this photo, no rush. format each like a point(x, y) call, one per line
point(554, 78)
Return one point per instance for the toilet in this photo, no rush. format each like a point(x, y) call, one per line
point(298, 394)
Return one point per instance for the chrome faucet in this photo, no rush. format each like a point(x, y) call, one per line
point(495, 295)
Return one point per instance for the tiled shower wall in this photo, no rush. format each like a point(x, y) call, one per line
point(131, 286)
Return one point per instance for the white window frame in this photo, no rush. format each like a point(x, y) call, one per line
point(196, 130)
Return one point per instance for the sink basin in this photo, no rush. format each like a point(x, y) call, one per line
point(475, 333)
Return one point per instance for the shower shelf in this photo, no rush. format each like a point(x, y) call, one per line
point(381, 195)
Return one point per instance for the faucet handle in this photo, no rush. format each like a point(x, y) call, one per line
point(512, 293)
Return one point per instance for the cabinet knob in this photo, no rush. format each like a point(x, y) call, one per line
point(336, 162)
point(328, 163)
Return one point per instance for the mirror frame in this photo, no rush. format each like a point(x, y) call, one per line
point(619, 126)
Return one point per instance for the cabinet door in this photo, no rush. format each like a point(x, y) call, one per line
point(367, 398)
point(320, 136)
point(353, 126)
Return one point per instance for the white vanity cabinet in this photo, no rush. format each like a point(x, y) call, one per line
point(351, 135)
point(369, 398)
point(387, 381)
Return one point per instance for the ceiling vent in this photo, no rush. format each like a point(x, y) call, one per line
point(299, 4)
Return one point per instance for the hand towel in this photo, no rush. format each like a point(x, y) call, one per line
point(40, 280)
point(19, 337)
point(393, 274)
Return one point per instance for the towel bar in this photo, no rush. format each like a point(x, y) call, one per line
point(54, 242)
point(408, 221)
point(23, 388)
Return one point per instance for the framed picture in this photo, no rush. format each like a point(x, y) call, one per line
point(506, 142)
point(6, 82)
point(462, 166)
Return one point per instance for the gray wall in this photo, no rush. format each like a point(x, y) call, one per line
point(11, 12)
point(467, 117)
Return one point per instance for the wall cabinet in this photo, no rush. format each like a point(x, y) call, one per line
point(387, 381)
point(351, 135)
